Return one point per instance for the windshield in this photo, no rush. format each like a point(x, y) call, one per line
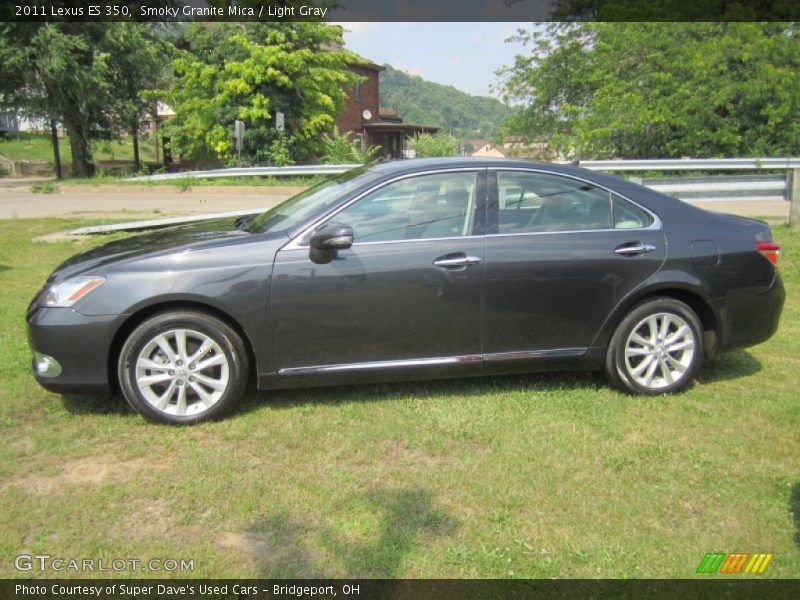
point(306, 204)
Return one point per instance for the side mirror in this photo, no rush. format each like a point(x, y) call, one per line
point(332, 236)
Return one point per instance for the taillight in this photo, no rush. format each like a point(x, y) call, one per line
point(770, 250)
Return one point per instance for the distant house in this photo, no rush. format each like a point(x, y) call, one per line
point(484, 148)
point(8, 123)
point(514, 149)
point(363, 117)
point(13, 122)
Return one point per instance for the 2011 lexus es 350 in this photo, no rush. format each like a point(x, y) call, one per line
point(410, 270)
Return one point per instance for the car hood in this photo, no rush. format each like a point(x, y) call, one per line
point(208, 234)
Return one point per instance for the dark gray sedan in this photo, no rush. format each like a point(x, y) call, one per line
point(410, 270)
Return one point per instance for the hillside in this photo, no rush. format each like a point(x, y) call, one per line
point(428, 103)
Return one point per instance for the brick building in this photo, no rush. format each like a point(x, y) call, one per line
point(363, 117)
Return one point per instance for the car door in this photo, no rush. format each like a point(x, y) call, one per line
point(560, 255)
point(406, 294)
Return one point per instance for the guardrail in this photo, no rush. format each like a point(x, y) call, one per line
point(694, 189)
point(691, 164)
point(251, 172)
point(717, 188)
point(164, 222)
point(720, 188)
point(708, 189)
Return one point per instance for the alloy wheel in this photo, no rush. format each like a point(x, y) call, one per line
point(659, 350)
point(182, 372)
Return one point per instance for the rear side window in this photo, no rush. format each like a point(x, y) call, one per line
point(531, 202)
point(540, 202)
point(629, 216)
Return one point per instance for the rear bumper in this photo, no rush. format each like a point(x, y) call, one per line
point(749, 317)
point(78, 344)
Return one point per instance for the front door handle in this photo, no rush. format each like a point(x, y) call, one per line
point(634, 249)
point(456, 261)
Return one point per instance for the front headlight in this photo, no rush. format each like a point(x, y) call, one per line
point(69, 291)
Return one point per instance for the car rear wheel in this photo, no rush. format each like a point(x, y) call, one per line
point(656, 349)
point(182, 367)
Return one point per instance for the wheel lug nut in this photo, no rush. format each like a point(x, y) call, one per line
point(191, 366)
point(172, 372)
point(180, 382)
point(191, 379)
point(179, 363)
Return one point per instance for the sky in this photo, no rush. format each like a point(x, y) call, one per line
point(464, 55)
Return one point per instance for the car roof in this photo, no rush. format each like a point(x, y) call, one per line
point(419, 165)
point(395, 167)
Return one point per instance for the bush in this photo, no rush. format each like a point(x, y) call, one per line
point(434, 144)
point(340, 149)
point(45, 187)
point(280, 151)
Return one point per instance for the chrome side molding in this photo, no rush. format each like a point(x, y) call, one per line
point(530, 354)
point(434, 362)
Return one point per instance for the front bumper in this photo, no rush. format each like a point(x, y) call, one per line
point(78, 344)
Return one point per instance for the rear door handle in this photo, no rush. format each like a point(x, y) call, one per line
point(456, 261)
point(634, 249)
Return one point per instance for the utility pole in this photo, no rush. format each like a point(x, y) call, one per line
point(56, 153)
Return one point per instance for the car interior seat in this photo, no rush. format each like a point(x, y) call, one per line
point(554, 213)
point(600, 214)
point(423, 210)
point(451, 214)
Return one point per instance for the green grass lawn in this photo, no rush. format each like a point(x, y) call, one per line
point(526, 476)
point(37, 147)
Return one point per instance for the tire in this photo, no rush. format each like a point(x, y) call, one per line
point(639, 361)
point(182, 367)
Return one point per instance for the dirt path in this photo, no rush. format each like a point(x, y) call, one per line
point(17, 201)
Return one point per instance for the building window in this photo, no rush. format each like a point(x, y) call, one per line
point(357, 91)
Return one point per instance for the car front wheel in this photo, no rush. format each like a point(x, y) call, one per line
point(656, 348)
point(182, 367)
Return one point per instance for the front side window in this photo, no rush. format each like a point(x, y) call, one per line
point(423, 207)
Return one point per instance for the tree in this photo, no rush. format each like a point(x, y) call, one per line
point(297, 69)
point(138, 68)
point(434, 144)
point(670, 10)
point(86, 75)
point(658, 89)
